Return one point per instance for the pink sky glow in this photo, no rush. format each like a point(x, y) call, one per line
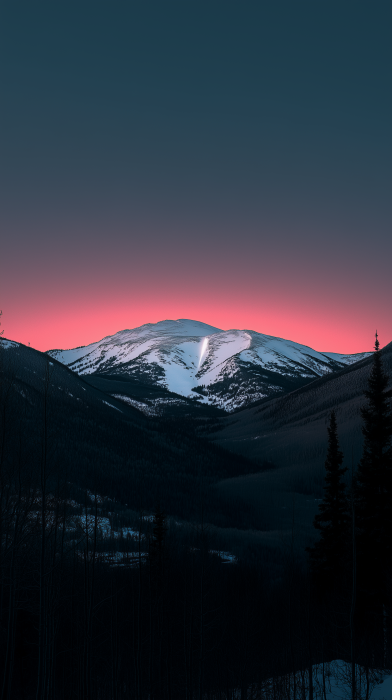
point(60, 323)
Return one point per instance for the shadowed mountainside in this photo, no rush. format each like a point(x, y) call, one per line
point(107, 446)
point(269, 474)
point(291, 433)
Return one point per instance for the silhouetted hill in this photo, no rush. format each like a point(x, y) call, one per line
point(291, 433)
point(107, 446)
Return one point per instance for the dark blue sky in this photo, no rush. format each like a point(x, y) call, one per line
point(179, 145)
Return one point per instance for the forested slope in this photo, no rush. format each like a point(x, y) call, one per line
point(113, 583)
point(291, 433)
point(103, 444)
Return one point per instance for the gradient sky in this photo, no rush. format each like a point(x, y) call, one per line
point(224, 161)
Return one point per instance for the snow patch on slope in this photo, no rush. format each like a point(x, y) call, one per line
point(7, 344)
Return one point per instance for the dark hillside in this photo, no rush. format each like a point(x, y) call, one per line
point(105, 445)
point(291, 432)
point(104, 596)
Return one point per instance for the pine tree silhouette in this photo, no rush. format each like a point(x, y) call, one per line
point(374, 484)
point(328, 555)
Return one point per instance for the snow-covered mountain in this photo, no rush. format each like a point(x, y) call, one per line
point(229, 369)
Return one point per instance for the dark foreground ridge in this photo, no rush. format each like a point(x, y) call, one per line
point(133, 561)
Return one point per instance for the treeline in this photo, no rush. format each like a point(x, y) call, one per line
point(162, 621)
point(351, 561)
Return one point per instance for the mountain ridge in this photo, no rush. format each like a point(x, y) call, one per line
point(228, 369)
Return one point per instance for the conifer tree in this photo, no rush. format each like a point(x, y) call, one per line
point(328, 555)
point(374, 484)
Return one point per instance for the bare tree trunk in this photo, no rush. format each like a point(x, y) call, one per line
point(89, 601)
point(290, 607)
point(185, 590)
point(139, 616)
point(385, 635)
point(42, 631)
point(8, 661)
point(150, 660)
point(114, 641)
point(201, 648)
point(310, 655)
point(353, 601)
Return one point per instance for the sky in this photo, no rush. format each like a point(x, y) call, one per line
point(228, 162)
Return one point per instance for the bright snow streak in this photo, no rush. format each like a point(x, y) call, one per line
point(203, 350)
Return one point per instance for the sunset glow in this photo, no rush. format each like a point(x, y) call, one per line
point(244, 186)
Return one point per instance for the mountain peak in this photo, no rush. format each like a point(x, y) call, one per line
point(228, 369)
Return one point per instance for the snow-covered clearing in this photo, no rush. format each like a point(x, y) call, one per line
point(372, 684)
point(331, 681)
